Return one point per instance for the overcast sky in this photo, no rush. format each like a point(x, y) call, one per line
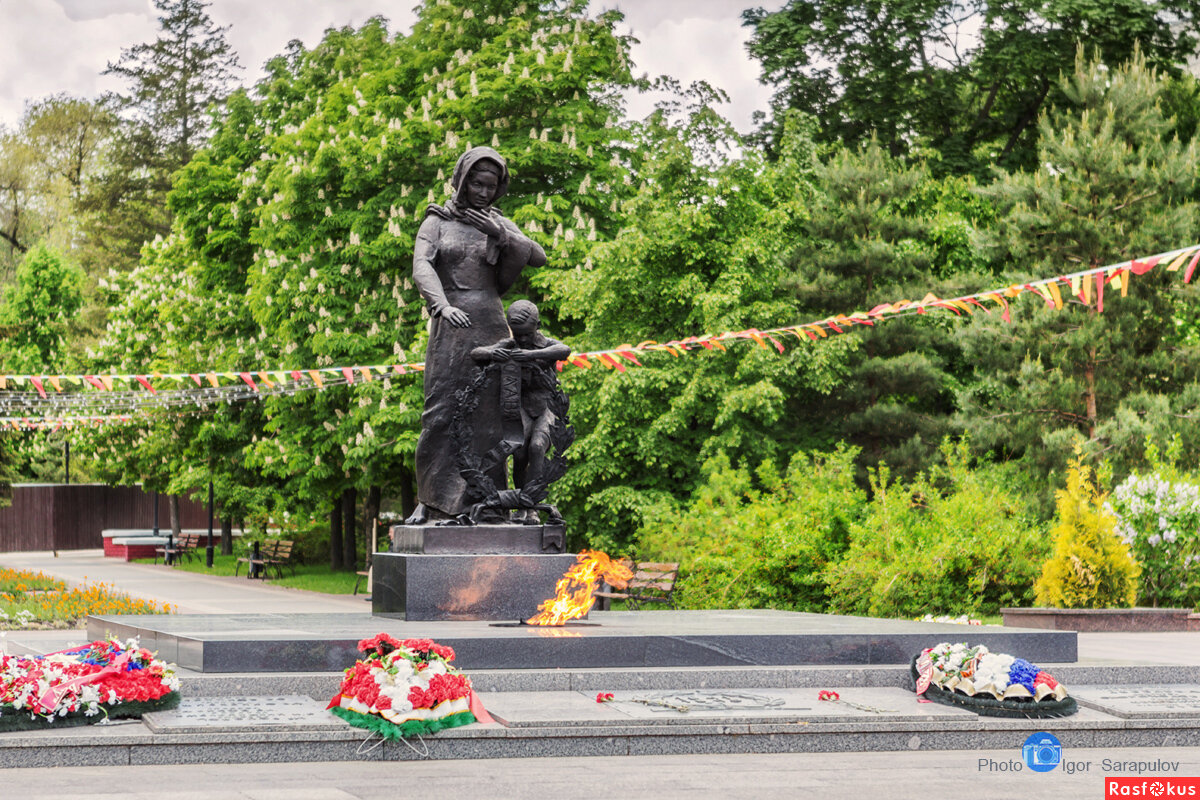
point(53, 46)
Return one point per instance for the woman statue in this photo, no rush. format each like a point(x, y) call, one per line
point(467, 256)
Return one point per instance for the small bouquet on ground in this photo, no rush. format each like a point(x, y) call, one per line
point(991, 684)
point(94, 682)
point(404, 688)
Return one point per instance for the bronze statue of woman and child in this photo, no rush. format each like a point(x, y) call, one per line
point(491, 387)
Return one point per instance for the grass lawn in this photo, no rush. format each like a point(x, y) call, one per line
point(310, 577)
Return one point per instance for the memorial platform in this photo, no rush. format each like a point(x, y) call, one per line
point(248, 643)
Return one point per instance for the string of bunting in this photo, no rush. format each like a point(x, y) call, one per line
point(125, 394)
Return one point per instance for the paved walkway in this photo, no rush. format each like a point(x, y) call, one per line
point(192, 592)
point(822, 776)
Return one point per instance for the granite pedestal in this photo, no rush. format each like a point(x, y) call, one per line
point(498, 587)
point(468, 572)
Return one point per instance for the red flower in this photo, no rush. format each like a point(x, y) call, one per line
point(1045, 679)
point(604, 697)
point(825, 694)
point(381, 644)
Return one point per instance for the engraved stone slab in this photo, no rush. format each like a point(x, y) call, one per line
point(711, 706)
point(1150, 701)
point(243, 714)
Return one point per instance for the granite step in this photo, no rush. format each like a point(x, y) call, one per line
point(281, 728)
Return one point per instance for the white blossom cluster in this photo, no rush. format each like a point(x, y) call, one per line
point(1155, 510)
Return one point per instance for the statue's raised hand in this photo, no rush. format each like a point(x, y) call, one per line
point(483, 222)
point(456, 317)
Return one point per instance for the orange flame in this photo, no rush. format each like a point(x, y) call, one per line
point(573, 593)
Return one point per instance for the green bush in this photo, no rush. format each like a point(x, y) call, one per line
point(954, 541)
point(1091, 566)
point(761, 541)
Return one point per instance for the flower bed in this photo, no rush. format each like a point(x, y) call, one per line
point(97, 681)
point(405, 688)
point(990, 684)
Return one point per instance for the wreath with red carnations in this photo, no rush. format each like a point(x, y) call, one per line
point(94, 682)
point(405, 688)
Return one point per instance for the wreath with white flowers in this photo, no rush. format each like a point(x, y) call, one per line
point(990, 684)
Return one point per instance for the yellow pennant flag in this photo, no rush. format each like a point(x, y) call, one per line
point(1179, 259)
point(1052, 287)
point(1076, 285)
point(1087, 292)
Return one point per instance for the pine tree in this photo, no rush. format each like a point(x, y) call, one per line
point(173, 81)
point(1111, 186)
point(878, 232)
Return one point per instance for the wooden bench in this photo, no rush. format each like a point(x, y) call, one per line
point(272, 554)
point(184, 547)
point(652, 582)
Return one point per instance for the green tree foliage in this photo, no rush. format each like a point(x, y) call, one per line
point(762, 541)
point(45, 163)
point(966, 79)
point(879, 232)
point(1111, 186)
point(702, 252)
point(956, 540)
point(1091, 566)
point(37, 312)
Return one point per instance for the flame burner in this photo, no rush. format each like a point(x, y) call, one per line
point(524, 624)
point(575, 592)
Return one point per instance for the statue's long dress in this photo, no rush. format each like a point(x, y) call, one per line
point(461, 277)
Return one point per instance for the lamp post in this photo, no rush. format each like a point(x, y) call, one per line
point(208, 552)
point(67, 459)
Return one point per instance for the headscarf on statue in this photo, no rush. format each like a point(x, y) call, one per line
point(453, 209)
point(455, 206)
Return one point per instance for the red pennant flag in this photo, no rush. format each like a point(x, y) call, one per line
point(1187, 276)
point(1100, 292)
point(94, 381)
point(249, 380)
point(37, 384)
point(142, 380)
point(1142, 267)
point(296, 375)
point(349, 373)
point(196, 378)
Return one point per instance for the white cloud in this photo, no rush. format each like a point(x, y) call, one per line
point(97, 9)
point(44, 52)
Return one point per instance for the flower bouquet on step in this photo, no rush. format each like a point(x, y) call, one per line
point(990, 684)
point(92, 683)
point(405, 688)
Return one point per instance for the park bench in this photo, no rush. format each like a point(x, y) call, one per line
point(273, 554)
point(652, 582)
point(183, 547)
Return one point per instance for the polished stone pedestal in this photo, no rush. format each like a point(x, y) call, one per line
point(464, 586)
point(626, 639)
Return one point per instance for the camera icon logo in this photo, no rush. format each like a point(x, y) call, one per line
point(1041, 752)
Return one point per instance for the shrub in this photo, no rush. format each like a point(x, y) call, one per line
point(954, 541)
point(1091, 566)
point(1160, 521)
point(759, 541)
